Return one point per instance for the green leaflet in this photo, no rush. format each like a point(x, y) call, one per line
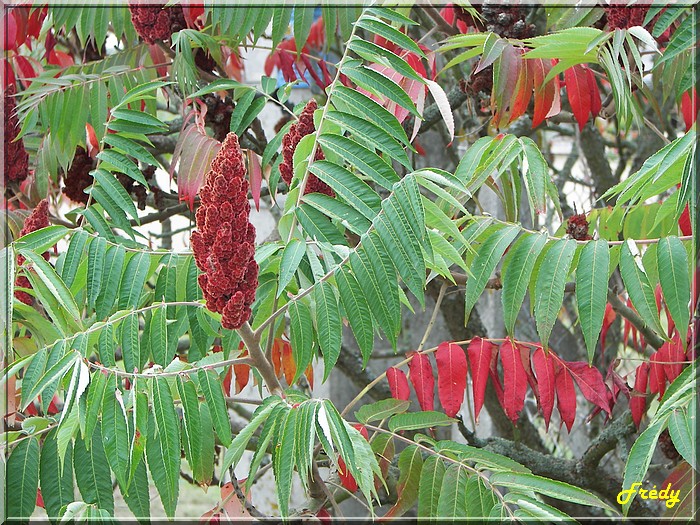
point(138, 497)
point(549, 287)
point(292, 255)
point(210, 385)
point(480, 500)
point(410, 467)
point(95, 395)
point(48, 377)
point(430, 486)
point(131, 347)
point(92, 473)
point(452, 502)
point(158, 338)
point(304, 440)
point(517, 268)
point(133, 280)
point(235, 451)
point(283, 461)
point(74, 256)
point(682, 428)
point(638, 286)
point(357, 311)
point(675, 281)
point(381, 85)
point(116, 191)
point(592, 291)
point(548, 487)
point(379, 289)
point(536, 175)
point(22, 478)
point(381, 410)
point(336, 209)
point(111, 277)
point(115, 434)
point(191, 425)
point(419, 420)
point(97, 252)
point(41, 240)
point(485, 262)
point(207, 452)
point(328, 325)
point(348, 186)
point(56, 479)
point(163, 445)
point(301, 336)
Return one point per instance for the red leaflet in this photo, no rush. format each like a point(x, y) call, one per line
point(608, 319)
point(226, 383)
point(547, 101)
point(507, 77)
point(523, 92)
point(590, 382)
point(421, 375)
point(480, 352)
point(514, 379)
point(578, 91)
point(255, 174)
point(638, 401)
point(309, 375)
point(398, 384)
point(689, 109)
point(242, 374)
point(544, 370)
point(452, 376)
point(277, 356)
point(566, 397)
point(684, 222)
point(595, 93)
point(657, 374)
point(346, 478)
point(362, 430)
point(289, 367)
point(676, 357)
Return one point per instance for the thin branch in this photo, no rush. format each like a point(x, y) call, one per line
point(264, 366)
point(633, 317)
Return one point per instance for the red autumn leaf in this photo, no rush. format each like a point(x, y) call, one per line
point(658, 296)
point(547, 99)
point(277, 356)
point(657, 374)
point(9, 22)
point(9, 77)
point(479, 352)
point(590, 382)
point(59, 58)
point(35, 21)
point(684, 222)
point(608, 319)
point(525, 357)
point(638, 401)
point(309, 375)
point(544, 370)
point(676, 357)
point(242, 375)
point(421, 376)
point(578, 91)
point(506, 74)
point(226, 383)
point(192, 14)
point(452, 376)
point(194, 151)
point(25, 69)
point(232, 506)
point(398, 383)
point(689, 109)
point(324, 517)
point(594, 92)
point(31, 410)
point(362, 430)
point(289, 367)
point(255, 174)
point(39, 498)
point(523, 91)
point(346, 478)
point(566, 397)
point(495, 379)
point(514, 379)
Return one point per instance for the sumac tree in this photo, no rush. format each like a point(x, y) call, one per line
point(420, 172)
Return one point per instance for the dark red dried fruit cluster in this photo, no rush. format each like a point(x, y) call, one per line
point(577, 227)
point(16, 157)
point(39, 218)
point(506, 21)
point(481, 82)
point(78, 176)
point(224, 242)
point(218, 115)
point(622, 17)
point(204, 61)
point(296, 132)
point(134, 188)
point(157, 22)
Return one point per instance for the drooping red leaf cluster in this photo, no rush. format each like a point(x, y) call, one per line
point(522, 365)
point(583, 93)
point(224, 242)
point(295, 66)
point(16, 157)
point(38, 219)
point(239, 374)
point(689, 108)
point(157, 22)
point(78, 177)
point(296, 132)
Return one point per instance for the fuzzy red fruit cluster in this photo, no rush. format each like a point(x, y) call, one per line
point(38, 219)
point(157, 22)
point(16, 157)
point(224, 242)
point(577, 227)
point(623, 17)
point(296, 132)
